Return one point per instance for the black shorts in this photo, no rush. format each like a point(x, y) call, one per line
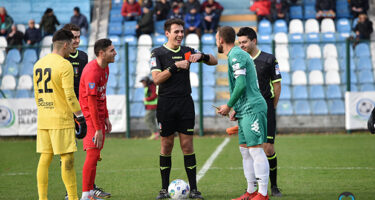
point(175, 115)
point(271, 121)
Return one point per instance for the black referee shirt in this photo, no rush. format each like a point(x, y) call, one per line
point(268, 72)
point(178, 85)
point(79, 61)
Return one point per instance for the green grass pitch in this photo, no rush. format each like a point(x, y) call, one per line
point(318, 167)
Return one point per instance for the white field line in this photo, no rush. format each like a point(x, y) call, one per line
point(212, 158)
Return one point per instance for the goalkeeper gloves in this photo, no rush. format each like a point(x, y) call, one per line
point(81, 127)
point(371, 122)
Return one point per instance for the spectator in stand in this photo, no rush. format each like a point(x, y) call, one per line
point(193, 22)
point(179, 3)
point(175, 13)
point(210, 20)
point(358, 6)
point(325, 9)
point(32, 34)
point(162, 9)
point(49, 22)
point(131, 10)
point(280, 9)
point(190, 4)
point(262, 8)
point(80, 20)
point(145, 24)
point(6, 22)
point(14, 38)
point(363, 29)
point(215, 6)
point(147, 3)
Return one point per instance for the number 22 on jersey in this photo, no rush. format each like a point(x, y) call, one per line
point(44, 77)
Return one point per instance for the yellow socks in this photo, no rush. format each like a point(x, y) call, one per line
point(68, 175)
point(42, 174)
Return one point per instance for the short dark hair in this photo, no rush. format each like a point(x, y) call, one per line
point(62, 35)
point(228, 34)
point(71, 27)
point(101, 44)
point(77, 9)
point(247, 31)
point(170, 22)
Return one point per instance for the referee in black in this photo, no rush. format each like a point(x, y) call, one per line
point(79, 59)
point(175, 111)
point(269, 79)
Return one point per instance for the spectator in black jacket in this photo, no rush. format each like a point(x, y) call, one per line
point(364, 28)
point(80, 20)
point(32, 34)
point(358, 6)
point(15, 38)
point(280, 9)
point(190, 4)
point(145, 24)
point(49, 22)
point(325, 9)
point(210, 20)
point(6, 22)
point(147, 3)
point(176, 13)
point(162, 9)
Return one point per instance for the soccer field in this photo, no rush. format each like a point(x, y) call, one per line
point(310, 167)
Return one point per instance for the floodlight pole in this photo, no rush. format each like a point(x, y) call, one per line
point(348, 81)
point(127, 103)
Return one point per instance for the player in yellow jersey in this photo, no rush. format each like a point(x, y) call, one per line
point(56, 101)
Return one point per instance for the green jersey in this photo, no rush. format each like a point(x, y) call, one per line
point(251, 100)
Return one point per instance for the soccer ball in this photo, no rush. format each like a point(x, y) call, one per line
point(179, 189)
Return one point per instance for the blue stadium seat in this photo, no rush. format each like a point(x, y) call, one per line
point(343, 64)
point(26, 68)
point(365, 76)
point(264, 39)
point(111, 91)
point(208, 39)
point(362, 50)
point(208, 93)
point(336, 107)
point(116, 41)
point(132, 53)
point(364, 63)
point(112, 79)
point(367, 87)
point(209, 49)
point(8, 94)
point(334, 92)
point(23, 94)
point(310, 12)
point(159, 40)
point(298, 64)
point(138, 94)
point(343, 25)
point(280, 26)
point(129, 27)
point(13, 56)
point(353, 77)
point(159, 27)
point(117, 4)
point(295, 12)
point(285, 93)
point(342, 10)
point(285, 78)
point(266, 48)
point(300, 92)
point(309, 2)
point(343, 36)
point(316, 92)
point(284, 108)
point(312, 38)
point(319, 107)
point(194, 67)
point(115, 28)
point(355, 22)
point(298, 51)
point(121, 91)
point(209, 79)
point(353, 88)
point(131, 40)
point(295, 38)
point(208, 69)
point(194, 93)
point(11, 68)
point(264, 27)
point(137, 109)
point(302, 107)
point(113, 69)
point(341, 50)
point(208, 110)
point(328, 37)
point(314, 64)
point(30, 56)
point(115, 15)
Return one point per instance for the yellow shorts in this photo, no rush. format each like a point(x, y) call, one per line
point(56, 141)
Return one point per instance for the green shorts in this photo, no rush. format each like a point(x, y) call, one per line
point(253, 129)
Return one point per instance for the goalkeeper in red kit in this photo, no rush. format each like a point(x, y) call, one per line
point(93, 101)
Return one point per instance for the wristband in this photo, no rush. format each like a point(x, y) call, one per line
point(172, 69)
point(205, 58)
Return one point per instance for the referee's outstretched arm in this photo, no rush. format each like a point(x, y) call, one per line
point(208, 59)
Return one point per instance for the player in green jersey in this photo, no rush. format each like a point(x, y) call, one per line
point(250, 109)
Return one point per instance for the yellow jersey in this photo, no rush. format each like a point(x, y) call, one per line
point(54, 92)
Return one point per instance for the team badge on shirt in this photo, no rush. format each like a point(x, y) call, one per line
point(277, 69)
point(75, 70)
point(153, 62)
point(91, 85)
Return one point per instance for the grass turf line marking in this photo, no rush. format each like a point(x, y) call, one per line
point(211, 159)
